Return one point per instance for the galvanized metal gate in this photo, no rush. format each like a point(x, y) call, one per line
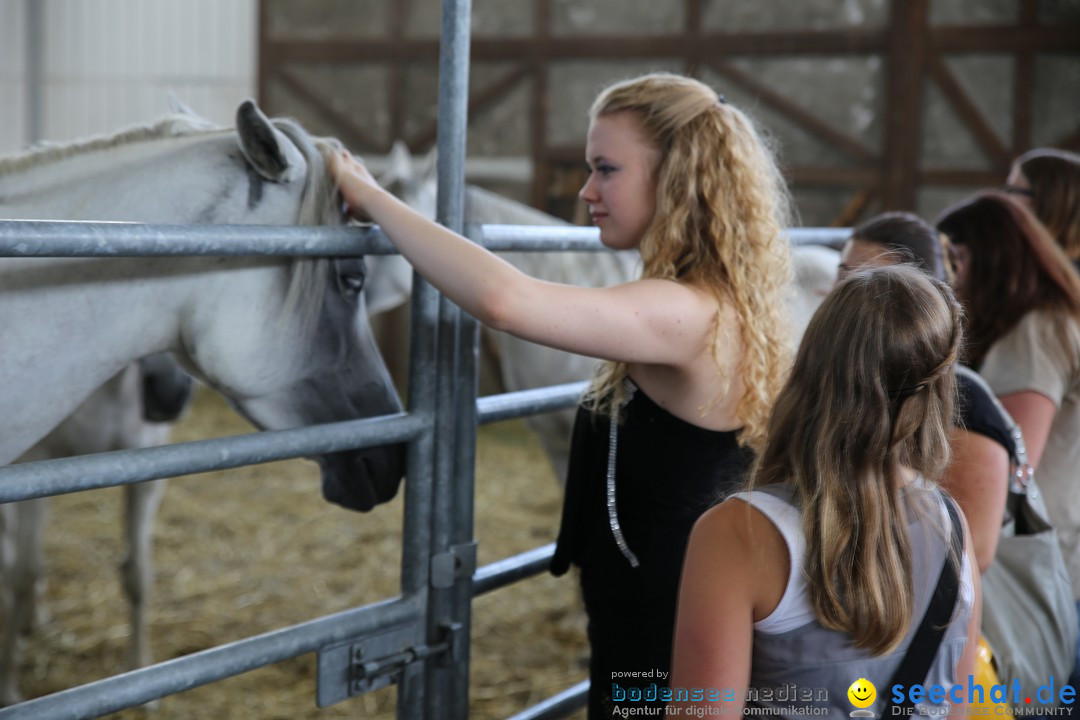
point(419, 639)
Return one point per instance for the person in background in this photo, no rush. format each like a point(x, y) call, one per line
point(977, 477)
point(820, 572)
point(1048, 181)
point(695, 350)
point(1022, 300)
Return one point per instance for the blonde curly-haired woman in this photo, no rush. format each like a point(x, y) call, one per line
point(694, 350)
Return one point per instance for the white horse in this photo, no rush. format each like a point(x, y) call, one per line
point(114, 417)
point(285, 339)
point(523, 364)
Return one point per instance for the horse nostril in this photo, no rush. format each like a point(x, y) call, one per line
point(384, 468)
point(359, 480)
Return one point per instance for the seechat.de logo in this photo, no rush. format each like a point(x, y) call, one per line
point(1050, 694)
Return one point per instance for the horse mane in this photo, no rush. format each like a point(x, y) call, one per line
point(318, 206)
point(47, 152)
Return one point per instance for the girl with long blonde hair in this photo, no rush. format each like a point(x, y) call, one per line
point(694, 350)
point(819, 573)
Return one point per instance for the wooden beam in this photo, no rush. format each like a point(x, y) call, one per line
point(345, 127)
point(395, 76)
point(967, 111)
point(541, 108)
point(951, 177)
point(823, 176)
point(477, 101)
point(1006, 38)
point(693, 15)
point(849, 41)
point(1071, 141)
point(1023, 101)
point(853, 210)
point(852, 41)
point(903, 102)
point(800, 116)
point(1024, 83)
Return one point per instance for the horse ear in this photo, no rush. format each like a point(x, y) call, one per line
point(178, 106)
point(264, 146)
point(430, 164)
point(399, 165)
point(192, 119)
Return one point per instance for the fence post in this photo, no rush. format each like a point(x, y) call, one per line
point(453, 547)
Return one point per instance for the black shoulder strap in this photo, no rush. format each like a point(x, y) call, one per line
point(927, 640)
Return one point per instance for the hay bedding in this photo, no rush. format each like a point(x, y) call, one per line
point(254, 549)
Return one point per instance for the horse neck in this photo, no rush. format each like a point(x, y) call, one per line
point(75, 322)
point(135, 181)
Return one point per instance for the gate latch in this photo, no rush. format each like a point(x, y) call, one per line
point(357, 667)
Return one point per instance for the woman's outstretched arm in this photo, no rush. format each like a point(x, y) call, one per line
point(647, 321)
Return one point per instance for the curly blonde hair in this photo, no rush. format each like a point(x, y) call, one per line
point(721, 206)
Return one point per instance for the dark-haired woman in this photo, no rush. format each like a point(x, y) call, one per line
point(981, 442)
point(1022, 300)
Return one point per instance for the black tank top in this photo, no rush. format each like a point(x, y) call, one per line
point(667, 473)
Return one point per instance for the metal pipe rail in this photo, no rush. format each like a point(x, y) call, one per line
point(40, 238)
point(184, 673)
point(526, 238)
point(439, 429)
point(559, 705)
point(509, 570)
point(124, 467)
point(506, 406)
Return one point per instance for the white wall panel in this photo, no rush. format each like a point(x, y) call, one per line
point(12, 63)
point(112, 63)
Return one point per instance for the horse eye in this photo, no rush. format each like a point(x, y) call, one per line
point(351, 273)
point(352, 284)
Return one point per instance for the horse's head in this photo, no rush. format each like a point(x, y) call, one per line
point(325, 368)
point(292, 346)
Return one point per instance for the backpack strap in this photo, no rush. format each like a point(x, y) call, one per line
point(927, 640)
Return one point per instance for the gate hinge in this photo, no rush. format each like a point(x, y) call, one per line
point(457, 562)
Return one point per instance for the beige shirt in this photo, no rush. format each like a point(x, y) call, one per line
point(1042, 354)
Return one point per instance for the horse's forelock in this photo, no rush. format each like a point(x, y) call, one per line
point(319, 205)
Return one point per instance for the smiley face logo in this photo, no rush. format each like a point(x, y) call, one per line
point(862, 693)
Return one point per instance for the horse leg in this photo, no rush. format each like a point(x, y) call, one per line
point(30, 563)
point(22, 551)
point(141, 505)
point(9, 638)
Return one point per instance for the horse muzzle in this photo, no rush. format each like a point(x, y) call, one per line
point(361, 479)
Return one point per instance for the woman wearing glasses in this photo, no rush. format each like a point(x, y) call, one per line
point(1048, 181)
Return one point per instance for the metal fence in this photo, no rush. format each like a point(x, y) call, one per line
point(419, 639)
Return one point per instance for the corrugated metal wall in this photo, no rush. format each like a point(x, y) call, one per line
point(111, 63)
